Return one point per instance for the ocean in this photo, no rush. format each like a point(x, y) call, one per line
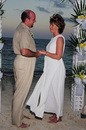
point(8, 56)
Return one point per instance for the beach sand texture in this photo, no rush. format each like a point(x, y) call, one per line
point(71, 120)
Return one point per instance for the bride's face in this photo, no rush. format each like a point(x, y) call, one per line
point(53, 28)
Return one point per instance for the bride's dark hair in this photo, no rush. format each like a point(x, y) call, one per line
point(58, 21)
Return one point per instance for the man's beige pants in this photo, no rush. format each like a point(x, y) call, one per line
point(23, 72)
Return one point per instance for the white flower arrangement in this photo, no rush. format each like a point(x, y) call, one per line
point(79, 71)
point(80, 11)
point(82, 45)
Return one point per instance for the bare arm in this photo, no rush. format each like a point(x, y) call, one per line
point(28, 53)
point(59, 50)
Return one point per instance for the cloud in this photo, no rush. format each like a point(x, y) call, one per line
point(59, 3)
point(64, 4)
point(68, 19)
point(43, 9)
point(60, 12)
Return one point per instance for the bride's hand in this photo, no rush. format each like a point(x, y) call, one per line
point(43, 52)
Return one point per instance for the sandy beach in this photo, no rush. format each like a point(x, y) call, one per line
point(71, 120)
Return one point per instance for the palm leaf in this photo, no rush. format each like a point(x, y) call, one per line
point(73, 40)
point(83, 4)
point(77, 70)
point(74, 15)
point(1, 5)
point(77, 5)
point(76, 11)
point(79, 8)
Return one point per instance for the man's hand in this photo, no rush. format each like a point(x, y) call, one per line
point(38, 54)
point(28, 53)
point(43, 52)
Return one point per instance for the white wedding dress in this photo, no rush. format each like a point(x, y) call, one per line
point(48, 94)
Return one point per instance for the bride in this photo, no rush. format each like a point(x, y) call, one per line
point(48, 94)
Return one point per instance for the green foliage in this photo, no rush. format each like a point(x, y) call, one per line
point(79, 9)
point(79, 71)
point(1, 6)
point(73, 40)
point(82, 37)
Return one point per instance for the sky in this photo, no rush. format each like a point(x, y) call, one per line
point(43, 9)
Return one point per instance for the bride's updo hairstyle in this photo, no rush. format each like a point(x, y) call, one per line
point(58, 21)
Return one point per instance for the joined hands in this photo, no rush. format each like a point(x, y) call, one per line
point(42, 52)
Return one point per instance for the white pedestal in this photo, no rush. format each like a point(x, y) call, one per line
point(77, 99)
point(78, 59)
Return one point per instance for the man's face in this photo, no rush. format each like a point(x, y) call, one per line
point(32, 20)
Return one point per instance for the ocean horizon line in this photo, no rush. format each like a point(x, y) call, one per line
point(34, 38)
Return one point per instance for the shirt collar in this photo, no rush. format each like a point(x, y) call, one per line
point(25, 26)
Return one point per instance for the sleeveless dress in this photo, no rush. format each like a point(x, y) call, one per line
point(48, 94)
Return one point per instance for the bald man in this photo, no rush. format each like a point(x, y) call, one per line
point(24, 64)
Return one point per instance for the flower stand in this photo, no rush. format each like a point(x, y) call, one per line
point(77, 97)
